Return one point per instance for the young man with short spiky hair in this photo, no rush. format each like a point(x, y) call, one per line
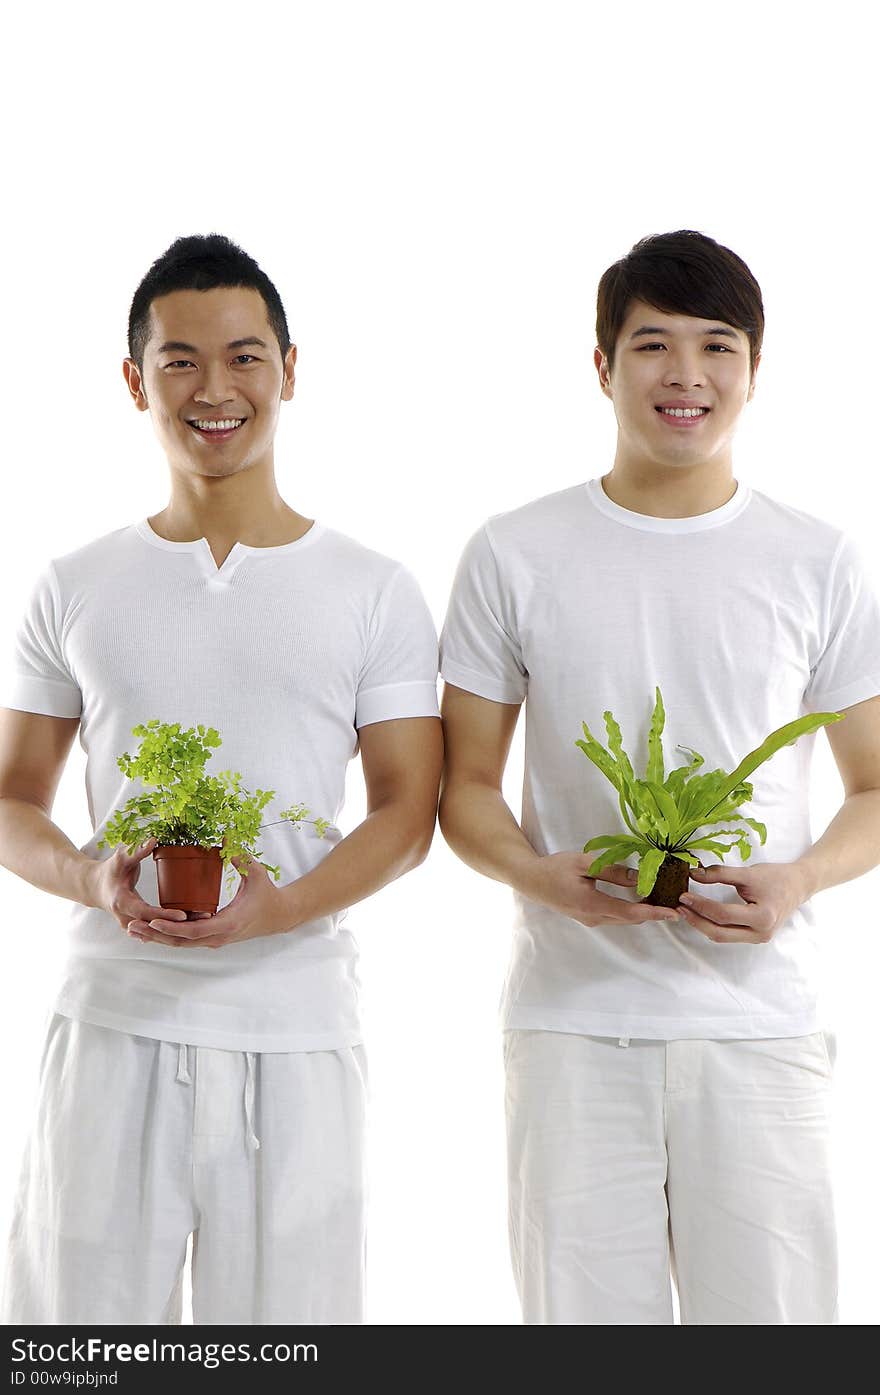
point(207, 1076)
point(667, 1075)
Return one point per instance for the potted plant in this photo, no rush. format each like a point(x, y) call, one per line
point(201, 821)
point(663, 815)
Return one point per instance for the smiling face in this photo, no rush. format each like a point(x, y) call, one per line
point(213, 380)
point(678, 385)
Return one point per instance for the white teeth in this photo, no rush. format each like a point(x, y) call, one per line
point(684, 411)
point(219, 425)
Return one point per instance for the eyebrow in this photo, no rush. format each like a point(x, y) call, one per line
point(191, 348)
point(654, 329)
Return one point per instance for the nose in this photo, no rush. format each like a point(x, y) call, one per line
point(215, 387)
point(684, 369)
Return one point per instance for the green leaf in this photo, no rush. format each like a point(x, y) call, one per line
point(667, 806)
point(674, 782)
point(642, 799)
point(760, 829)
point(630, 820)
point(606, 840)
point(615, 745)
point(608, 858)
point(649, 865)
point(785, 735)
point(684, 856)
point(727, 809)
point(654, 769)
point(711, 845)
point(618, 770)
point(600, 757)
point(699, 790)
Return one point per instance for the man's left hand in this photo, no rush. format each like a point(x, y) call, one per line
point(769, 892)
point(257, 908)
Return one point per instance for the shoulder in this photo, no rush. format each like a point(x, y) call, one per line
point(527, 533)
point(97, 560)
point(355, 559)
point(794, 533)
point(549, 514)
point(367, 581)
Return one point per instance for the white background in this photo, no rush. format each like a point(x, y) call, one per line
point(435, 191)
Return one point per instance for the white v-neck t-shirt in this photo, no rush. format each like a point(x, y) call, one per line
point(745, 617)
point(287, 651)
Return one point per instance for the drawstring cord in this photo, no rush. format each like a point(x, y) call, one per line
point(183, 1074)
point(249, 1087)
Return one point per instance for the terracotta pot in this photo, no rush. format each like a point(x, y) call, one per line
point(672, 880)
point(189, 878)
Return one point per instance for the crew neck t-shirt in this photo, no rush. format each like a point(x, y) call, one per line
point(746, 617)
point(287, 651)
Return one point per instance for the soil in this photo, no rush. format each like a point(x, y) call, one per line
point(672, 880)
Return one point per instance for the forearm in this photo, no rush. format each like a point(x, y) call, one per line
point(390, 841)
point(33, 847)
point(480, 828)
point(849, 847)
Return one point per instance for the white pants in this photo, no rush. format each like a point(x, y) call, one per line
point(709, 1159)
point(138, 1143)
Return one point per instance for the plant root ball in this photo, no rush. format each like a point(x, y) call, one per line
point(672, 880)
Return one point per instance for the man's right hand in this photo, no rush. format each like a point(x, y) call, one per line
point(560, 881)
point(114, 887)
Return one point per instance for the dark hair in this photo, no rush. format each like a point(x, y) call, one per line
point(685, 273)
point(201, 264)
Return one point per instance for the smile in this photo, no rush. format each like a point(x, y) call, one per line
point(683, 416)
point(217, 430)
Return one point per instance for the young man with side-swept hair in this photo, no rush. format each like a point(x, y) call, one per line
point(667, 1075)
point(206, 1077)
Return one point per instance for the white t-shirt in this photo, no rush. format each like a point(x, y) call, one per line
point(287, 651)
point(745, 617)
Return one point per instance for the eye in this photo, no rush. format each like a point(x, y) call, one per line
point(643, 347)
point(179, 363)
point(723, 348)
point(251, 357)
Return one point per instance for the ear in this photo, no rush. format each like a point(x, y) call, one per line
point(603, 370)
point(752, 383)
point(132, 376)
point(289, 375)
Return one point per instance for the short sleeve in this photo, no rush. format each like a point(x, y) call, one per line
point(398, 677)
point(479, 647)
point(37, 678)
point(848, 668)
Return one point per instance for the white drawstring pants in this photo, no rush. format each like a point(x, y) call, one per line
point(138, 1143)
point(707, 1160)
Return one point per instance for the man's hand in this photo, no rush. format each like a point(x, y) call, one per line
point(257, 908)
point(560, 881)
point(114, 887)
point(769, 891)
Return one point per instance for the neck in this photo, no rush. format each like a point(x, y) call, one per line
point(664, 491)
point(245, 508)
